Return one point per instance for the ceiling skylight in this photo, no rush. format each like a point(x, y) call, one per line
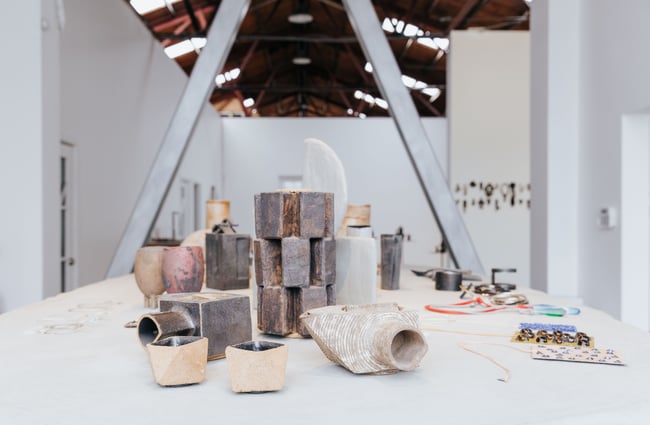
point(185, 46)
point(146, 6)
point(231, 75)
point(410, 82)
point(370, 99)
point(409, 30)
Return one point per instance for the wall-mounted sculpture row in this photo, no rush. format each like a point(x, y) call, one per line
point(295, 258)
point(373, 338)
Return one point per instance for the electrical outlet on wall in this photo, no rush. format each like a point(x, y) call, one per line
point(607, 218)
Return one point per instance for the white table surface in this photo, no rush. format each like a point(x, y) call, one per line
point(101, 374)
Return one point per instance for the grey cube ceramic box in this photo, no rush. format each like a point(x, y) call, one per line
point(225, 319)
point(226, 260)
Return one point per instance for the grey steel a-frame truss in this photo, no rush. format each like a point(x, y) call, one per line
point(367, 26)
point(200, 84)
point(220, 39)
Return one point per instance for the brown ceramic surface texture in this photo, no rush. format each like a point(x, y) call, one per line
point(183, 269)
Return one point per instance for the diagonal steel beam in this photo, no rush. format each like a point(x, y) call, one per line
point(199, 86)
point(367, 26)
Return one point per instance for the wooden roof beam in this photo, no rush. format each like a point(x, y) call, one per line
point(177, 31)
point(470, 7)
point(173, 23)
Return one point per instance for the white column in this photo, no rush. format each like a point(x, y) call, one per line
point(555, 136)
point(635, 204)
point(29, 155)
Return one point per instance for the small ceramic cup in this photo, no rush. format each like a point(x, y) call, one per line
point(257, 366)
point(182, 269)
point(148, 274)
point(178, 360)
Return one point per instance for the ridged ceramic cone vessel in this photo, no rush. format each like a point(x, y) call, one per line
point(148, 274)
point(178, 360)
point(373, 338)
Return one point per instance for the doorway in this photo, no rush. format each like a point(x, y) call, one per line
point(68, 268)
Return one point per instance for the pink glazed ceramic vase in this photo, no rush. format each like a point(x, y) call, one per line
point(182, 269)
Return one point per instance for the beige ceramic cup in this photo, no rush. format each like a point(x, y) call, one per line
point(148, 274)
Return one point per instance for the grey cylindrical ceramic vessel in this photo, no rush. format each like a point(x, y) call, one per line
point(391, 261)
point(154, 327)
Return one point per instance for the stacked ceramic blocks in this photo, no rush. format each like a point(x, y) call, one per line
point(295, 257)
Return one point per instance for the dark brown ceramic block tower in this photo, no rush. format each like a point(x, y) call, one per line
point(295, 257)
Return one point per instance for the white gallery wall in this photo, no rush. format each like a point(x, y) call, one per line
point(29, 159)
point(489, 126)
point(608, 93)
point(118, 93)
point(258, 152)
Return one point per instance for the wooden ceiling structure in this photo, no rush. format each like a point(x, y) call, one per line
point(335, 82)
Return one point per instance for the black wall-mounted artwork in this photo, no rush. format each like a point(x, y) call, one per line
point(491, 195)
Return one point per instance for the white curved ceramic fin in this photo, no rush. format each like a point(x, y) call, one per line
point(323, 172)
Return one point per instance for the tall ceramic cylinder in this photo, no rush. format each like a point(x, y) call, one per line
point(157, 326)
point(148, 273)
point(216, 210)
point(183, 269)
point(356, 215)
point(356, 267)
point(391, 260)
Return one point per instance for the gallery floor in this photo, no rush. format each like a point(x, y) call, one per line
point(70, 360)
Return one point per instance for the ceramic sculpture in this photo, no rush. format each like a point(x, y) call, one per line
point(227, 258)
point(224, 319)
point(216, 211)
point(355, 215)
point(323, 172)
point(178, 360)
point(356, 267)
point(391, 259)
point(375, 338)
point(257, 366)
point(148, 274)
point(294, 258)
point(182, 269)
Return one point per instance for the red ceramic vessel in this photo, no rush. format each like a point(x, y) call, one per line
point(182, 269)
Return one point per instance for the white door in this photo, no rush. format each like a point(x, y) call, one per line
point(68, 245)
point(187, 208)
